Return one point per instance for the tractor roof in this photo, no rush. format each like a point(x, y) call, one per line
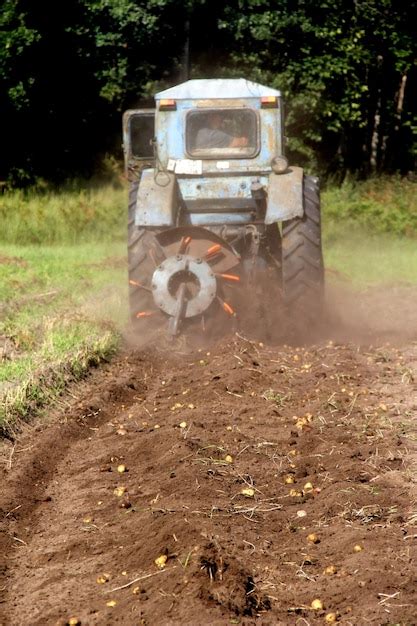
point(217, 88)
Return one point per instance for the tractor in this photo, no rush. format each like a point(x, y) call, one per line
point(220, 226)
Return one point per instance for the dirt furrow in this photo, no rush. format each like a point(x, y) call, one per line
point(234, 485)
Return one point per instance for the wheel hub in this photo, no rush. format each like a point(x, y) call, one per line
point(183, 281)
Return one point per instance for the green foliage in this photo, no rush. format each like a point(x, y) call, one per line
point(348, 72)
point(378, 205)
point(16, 38)
point(67, 70)
point(118, 35)
point(339, 65)
point(69, 214)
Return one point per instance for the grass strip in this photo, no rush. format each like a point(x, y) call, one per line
point(72, 214)
point(365, 259)
point(43, 386)
point(62, 310)
point(79, 212)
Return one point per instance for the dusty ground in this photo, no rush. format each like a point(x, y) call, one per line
point(321, 440)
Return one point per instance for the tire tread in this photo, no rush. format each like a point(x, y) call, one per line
point(302, 259)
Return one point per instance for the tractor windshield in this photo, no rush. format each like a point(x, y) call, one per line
point(222, 133)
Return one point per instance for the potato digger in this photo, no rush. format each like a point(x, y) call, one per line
point(220, 225)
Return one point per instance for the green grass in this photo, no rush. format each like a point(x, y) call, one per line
point(62, 308)
point(68, 215)
point(378, 205)
point(371, 259)
point(370, 231)
point(63, 283)
point(80, 213)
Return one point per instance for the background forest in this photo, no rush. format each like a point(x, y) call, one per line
point(68, 69)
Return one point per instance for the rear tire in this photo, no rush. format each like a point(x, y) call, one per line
point(261, 299)
point(140, 262)
point(302, 263)
point(274, 249)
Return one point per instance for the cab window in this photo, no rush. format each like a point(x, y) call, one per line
point(222, 133)
point(142, 131)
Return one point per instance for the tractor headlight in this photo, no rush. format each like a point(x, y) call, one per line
point(279, 164)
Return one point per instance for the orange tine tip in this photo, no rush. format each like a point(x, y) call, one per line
point(144, 314)
point(213, 249)
point(229, 277)
point(136, 284)
point(228, 308)
point(184, 243)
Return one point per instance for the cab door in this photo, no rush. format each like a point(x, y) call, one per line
point(138, 138)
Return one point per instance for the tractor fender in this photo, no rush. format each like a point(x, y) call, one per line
point(157, 199)
point(285, 195)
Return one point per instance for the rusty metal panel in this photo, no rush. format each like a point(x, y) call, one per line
point(218, 193)
point(215, 187)
point(217, 219)
point(157, 199)
point(285, 195)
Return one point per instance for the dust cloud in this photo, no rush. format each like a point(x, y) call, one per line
point(369, 316)
point(384, 313)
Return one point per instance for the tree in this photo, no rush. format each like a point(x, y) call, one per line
point(347, 69)
point(67, 71)
point(342, 66)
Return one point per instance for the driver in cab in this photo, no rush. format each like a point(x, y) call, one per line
point(213, 136)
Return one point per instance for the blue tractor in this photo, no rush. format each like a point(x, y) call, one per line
point(220, 225)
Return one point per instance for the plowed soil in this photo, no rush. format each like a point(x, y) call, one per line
point(266, 478)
